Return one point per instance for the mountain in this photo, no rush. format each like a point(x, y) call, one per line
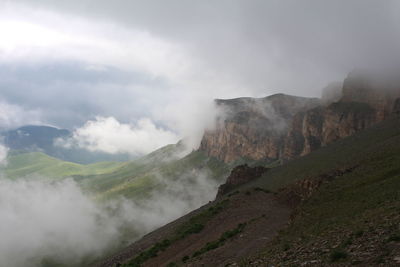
point(332, 199)
point(282, 127)
point(253, 128)
point(37, 138)
point(133, 179)
point(338, 205)
point(33, 137)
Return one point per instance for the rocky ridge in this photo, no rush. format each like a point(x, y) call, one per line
point(282, 127)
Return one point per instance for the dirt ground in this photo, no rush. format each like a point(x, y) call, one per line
point(263, 214)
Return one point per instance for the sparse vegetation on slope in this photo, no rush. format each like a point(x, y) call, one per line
point(347, 211)
point(138, 178)
point(193, 226)
point(353, 218)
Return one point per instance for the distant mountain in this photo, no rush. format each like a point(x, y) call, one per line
point(33, 137)
point(37, 138)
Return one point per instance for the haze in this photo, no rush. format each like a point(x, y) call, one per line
point(64, 63)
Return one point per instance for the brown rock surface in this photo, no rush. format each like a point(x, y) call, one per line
point(284, 127)
point(253, 128)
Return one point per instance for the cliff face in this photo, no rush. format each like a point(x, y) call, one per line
point(380, 94)
point(253, 128)
point(323, 125)
point(284, 127)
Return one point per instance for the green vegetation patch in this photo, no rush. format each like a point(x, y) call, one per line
point(196, 223)
point(40, 164)
point(193, 226)
point(220, 241)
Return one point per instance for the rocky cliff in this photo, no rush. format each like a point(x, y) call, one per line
point(284, 127)
point(253, 128)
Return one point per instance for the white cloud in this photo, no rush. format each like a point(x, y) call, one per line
point(14, 115)
point(106, 134)
point(41, 219)
point(37, 35)
point(59, 222)
point(3, 154)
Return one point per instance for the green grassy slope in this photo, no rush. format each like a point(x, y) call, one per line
point(138, 178)
point(353, 219)
point(132, 179)
point(23, 164)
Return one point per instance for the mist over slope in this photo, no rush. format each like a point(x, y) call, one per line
point(52, 219)
point(336, 206)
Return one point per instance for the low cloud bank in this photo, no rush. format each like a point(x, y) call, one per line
point(107, 134)
point(3, 154)
point(58, 222)
point(41, 219)
point(15, 115)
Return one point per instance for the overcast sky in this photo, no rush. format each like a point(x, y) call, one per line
point(71, 63)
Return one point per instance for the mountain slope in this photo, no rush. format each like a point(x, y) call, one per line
point(345, 206)
point(20, 165)
point(134, 179)
point(138, 178)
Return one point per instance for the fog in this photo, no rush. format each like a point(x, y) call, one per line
point(56, 222)
point(65, 63)
point(3, 154)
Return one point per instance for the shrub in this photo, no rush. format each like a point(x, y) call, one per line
point(359, 233)
point(337, 255)
point(394, 237)
point(262, 190)
point(185, 259)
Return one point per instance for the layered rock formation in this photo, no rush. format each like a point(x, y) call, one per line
point(284, 127)
point(253, 128)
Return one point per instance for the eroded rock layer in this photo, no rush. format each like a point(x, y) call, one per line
point(283, 127)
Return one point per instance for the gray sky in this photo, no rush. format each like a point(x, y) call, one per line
point(65, 62)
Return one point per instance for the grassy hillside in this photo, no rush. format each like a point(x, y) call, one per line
point(36, 163)
point(138, 178)
point(134, 179)
point(352, 218)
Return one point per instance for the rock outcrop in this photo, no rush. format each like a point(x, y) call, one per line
point(320, 126)
point(240, 175)
point(253, 128)
point(283, 127)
